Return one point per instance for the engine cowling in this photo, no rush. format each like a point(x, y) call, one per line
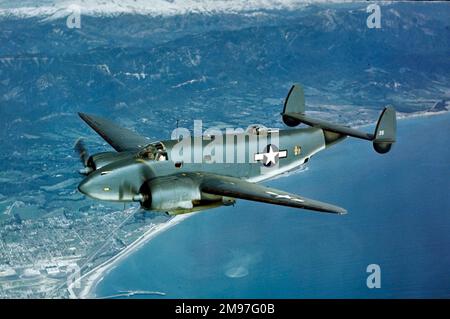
point(99, 160)
point(177, 195)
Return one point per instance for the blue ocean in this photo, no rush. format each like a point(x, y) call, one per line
point(399, 219)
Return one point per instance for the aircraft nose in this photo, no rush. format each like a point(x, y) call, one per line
point(83, 187)
point(97, 187)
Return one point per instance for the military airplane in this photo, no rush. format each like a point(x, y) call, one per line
point(154, 175)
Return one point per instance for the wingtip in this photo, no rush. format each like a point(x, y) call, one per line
point(337, 210)
point(86, 117)
point(82, 116)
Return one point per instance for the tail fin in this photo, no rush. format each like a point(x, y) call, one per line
point(385, 131)
point(294, 104)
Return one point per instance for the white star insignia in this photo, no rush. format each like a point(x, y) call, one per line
point(285, 196)
point(271, 157)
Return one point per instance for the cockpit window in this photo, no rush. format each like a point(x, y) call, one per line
point(257, 129)
point(154, 152)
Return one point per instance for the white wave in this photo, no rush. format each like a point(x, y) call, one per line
point(58, 9)
point(202, 79)
point(240, 263)
point(237, 272)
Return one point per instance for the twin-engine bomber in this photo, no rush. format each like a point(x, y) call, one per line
point(153, 174)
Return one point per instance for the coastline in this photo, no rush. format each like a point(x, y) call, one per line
point(90, 280)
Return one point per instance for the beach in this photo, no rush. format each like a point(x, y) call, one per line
point(90, 280)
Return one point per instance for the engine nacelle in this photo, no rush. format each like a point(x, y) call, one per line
point(177, 195)
point(99, 160)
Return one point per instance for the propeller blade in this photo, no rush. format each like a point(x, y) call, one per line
point(82, 151)
point(127, 188)
point(145, 172)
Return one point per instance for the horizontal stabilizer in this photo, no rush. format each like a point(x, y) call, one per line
point(336, 128)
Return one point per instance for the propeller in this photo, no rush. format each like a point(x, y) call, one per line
point(83, 153)
point(128, 188)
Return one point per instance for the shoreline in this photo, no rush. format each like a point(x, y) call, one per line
point(96, 275)
point(90, 280)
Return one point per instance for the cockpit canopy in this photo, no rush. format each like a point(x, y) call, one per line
point(154, 152)
point(257, 129)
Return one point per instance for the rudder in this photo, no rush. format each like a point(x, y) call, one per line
point(294, 103)
point(385, 131)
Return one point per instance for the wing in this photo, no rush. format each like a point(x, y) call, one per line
point(237, 188)
point(118, 137)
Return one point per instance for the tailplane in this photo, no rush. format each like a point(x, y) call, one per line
point(384, 136)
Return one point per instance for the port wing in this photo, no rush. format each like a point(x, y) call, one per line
point(237, 188)
point(121, 139)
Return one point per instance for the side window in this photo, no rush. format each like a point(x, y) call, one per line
point(178, 164)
